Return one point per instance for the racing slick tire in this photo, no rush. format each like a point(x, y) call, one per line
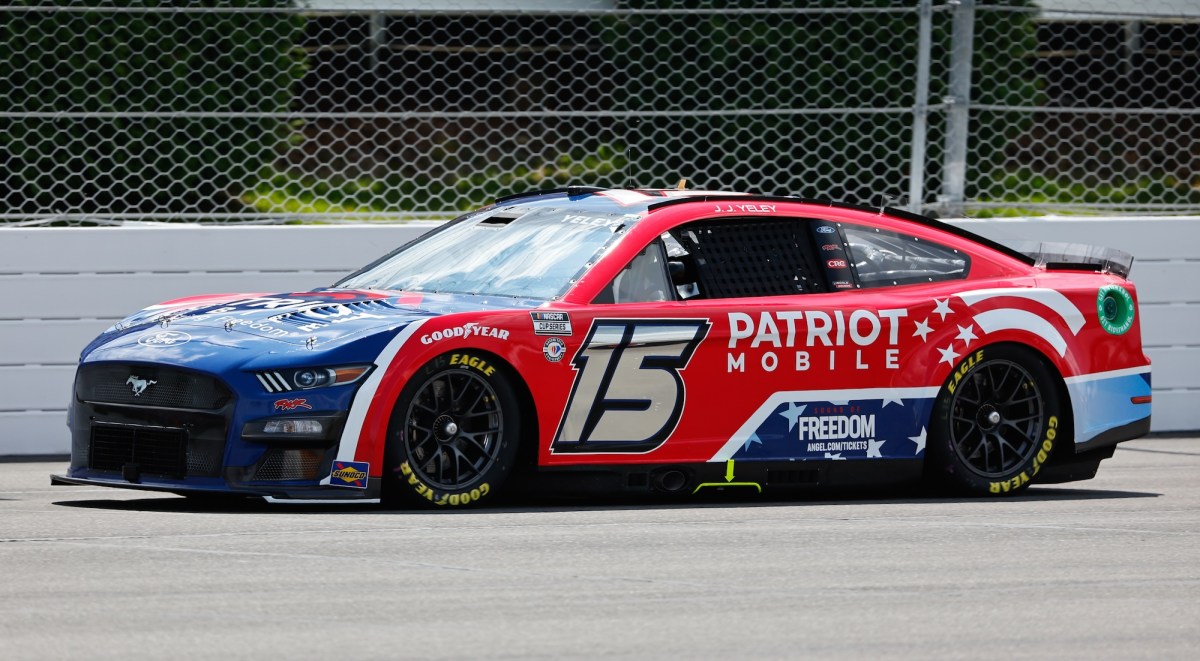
point(997, 419)
point(454, 433)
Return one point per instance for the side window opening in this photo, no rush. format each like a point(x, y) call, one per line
point(643, 280)
point(747, 258)
point(681, 267)
point(883, 258)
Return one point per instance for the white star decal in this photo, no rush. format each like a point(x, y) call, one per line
point(873, 451)
point(948, 354)
point(923, 329)
point(943, 308)
point(793, 413)
point(966, 334)
point(752, 439)
point(888, 399)
point(919, 440)
point(836, 457)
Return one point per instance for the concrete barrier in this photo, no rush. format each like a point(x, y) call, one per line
point(60, 287)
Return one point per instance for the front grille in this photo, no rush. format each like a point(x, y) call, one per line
point(204, 458)
point(155, 450)
point(281, 465)
point(146, 385)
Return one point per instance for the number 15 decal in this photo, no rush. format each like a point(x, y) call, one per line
point(628, 395)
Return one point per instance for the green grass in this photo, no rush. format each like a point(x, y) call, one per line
point(469, 188)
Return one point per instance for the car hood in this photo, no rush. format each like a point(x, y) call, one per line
point(273, 323)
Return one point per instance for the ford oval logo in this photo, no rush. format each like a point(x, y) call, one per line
point(164, 339)
point(825, 229)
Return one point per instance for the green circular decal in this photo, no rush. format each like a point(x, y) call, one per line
point(1114, 306)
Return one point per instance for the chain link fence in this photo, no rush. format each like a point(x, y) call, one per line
point(328, 110)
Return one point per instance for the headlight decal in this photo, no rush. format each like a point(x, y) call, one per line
point(308, 378)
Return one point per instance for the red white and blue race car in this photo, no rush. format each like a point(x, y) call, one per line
point(649, 341)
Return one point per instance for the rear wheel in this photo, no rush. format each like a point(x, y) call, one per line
point(454, 433)
point(996, 421)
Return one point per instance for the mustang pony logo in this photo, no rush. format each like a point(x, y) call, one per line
point(291, 404)
point(139, 385)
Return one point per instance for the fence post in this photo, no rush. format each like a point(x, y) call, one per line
point(916, 177)
point(958, 115)
point(379, 45)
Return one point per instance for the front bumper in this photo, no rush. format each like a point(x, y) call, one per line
point(300, 495)
point(187, 443)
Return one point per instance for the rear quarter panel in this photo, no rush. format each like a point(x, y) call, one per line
point(781, 377)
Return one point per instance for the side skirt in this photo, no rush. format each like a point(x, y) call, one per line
point(748, 477)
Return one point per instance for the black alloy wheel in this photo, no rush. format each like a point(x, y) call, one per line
point(996, 421)
point(454, 432)
point(453, 428)
point(995, 416)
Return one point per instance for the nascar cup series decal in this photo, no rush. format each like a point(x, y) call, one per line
point(551, 323)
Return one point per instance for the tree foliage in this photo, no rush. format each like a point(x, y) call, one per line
point(154, 101)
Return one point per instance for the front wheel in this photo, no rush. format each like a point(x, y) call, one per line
point(454, 433)
point(996, 421)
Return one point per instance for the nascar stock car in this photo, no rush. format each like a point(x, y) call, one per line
point(654, 341)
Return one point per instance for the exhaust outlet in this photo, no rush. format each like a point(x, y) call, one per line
point(671, 480)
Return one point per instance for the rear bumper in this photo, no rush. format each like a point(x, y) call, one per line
point(1126, 432)
point(1110, 407)
point(1085, 461)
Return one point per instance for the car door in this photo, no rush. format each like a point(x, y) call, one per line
point(746, 338)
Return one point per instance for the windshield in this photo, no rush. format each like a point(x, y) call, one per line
point(514, 251)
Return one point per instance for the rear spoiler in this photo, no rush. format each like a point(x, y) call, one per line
point(1077, 257)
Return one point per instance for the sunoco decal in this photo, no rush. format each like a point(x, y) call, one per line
point(351, 474)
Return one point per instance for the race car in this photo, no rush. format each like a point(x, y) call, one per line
point(665, 342)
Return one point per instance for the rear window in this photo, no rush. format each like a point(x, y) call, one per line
point(883, 258)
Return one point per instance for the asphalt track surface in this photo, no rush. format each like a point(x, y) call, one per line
point(1104, 569)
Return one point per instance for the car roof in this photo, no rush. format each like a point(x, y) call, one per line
point(621, 201)
point(638, 202)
